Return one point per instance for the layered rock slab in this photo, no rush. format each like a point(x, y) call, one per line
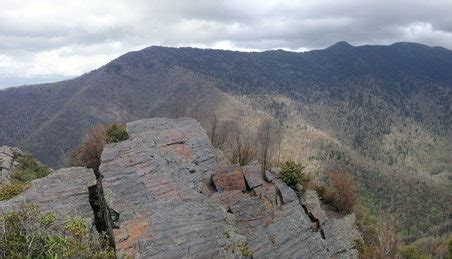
point(152, 180)
point(64, 192)
point(272, 219)
point(177, 197)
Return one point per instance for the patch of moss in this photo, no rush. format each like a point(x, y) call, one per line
point(8, 191)
point(29, 169)
point(116, 133)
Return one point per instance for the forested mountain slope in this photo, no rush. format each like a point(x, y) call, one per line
point(383, 112)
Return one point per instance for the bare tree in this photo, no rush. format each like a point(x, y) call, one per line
point(388, 242)
point(218, 131)
point(241, 146)
point(268, 137)
point(176, 107)
point(213, 125)
point(279, 136)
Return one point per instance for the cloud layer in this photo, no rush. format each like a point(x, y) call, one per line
point(41, 38)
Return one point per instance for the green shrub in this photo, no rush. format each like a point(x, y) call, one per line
point(292, 173)
point(28, 233)
point(29, 169)
point(448, 244)
point(8, 191)
point(411, 252)
point(245, 249)
point(116, 133)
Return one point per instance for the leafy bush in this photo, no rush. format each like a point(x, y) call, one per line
point(448, 247)
point(29, 169)
point(411, 252)
point(292, 173)
point(28, 233)
point(116, 133)
point(8, 191)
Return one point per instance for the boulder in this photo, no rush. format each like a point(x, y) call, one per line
point(286, 193)
point(311, 201)
point(341, 235)
point(7, 162)
point(152, 181)
point(253, 175)
point(64, 192)
point(229, 179)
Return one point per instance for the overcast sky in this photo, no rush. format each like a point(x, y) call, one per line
point(45, 40)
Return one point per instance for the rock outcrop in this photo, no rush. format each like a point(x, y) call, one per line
point(152, 181)
point(64, 192)
point(166, 192)
point(8, 157)
point(177, 197)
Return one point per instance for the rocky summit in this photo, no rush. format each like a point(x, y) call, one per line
point(177, 197)
point(166, 192)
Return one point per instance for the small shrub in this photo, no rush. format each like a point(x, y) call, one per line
point(411, 252)
point(292, 173)
point(344, 195)
point(448, 247)
point(28, 233)
point(245, 249)
point(116, 133)
point(8, 191)
point(89, 152)
point(29, 169)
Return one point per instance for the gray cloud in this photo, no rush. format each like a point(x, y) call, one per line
point(51, 37)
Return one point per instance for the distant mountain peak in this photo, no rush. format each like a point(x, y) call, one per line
point(341, 45)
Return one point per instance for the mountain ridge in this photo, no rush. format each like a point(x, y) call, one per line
point(381, 112)
point(164, 57)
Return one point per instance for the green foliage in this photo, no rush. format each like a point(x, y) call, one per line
point(367, 224)
point(26, 232)
point(292, 173)
point(29, 169)
point(116, 133)
point(411, 252)
point(245, 249)
point(448, 243)
point(8, 191)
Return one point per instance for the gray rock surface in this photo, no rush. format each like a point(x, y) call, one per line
point(7, 159)
point(64, 192)
point(310, 199)
point(177, 197)
point(340, 235)
point(152, 180)
point(253, 176)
